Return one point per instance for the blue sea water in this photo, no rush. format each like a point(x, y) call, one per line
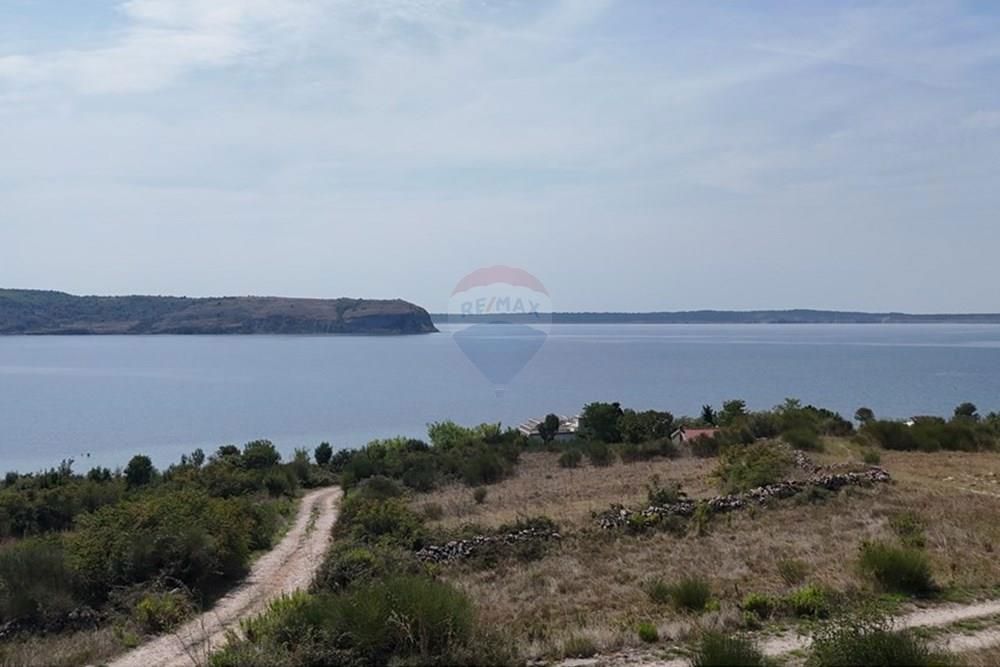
point(99, 400)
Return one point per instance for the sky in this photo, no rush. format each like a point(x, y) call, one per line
point(631, 154)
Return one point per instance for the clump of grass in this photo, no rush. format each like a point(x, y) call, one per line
point(570, 458)
point(809, 602)
point(909, 528)
point(663, 495)
point(691, 594)
point(760, 605)
point(718, 650)
point(600, 455)
point(868, 639)
point(648, 633)
point(896, 569)
point(479, 495)
point(579, 646)
point(793, 572)
point(871, 456)
point(659, 591)
point(433, 511)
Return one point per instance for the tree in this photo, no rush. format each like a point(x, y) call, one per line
point(968, 411)
point(599, 421)
point(198, 457)
point(139, 471)
point(732, 411)
point(864, 415)
point(260, 454)
point(708, 415)
point(549, 428)
point(323, 453)
point(636, 427)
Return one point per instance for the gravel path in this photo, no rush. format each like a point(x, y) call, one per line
point(288, 567)
point(938, 616)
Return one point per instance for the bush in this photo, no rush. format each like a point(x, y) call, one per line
point(718, 650)
point(691, 594)
point(323, 453)
point(803, 438)
point(909, 527)
point(648, 633)
point(896, 569)
point(809, 602)
point(869, 639)
point(36, 584)
point(433, 511)
point(570, 458)
point(479, 496)
point(260, 454)
point(399, 619)
point(662, 496)
point(579, 647)
point(793, 572)
point(659, 591)
point(760, 605)
point(600, 455)
point(139, 471)
point(742, 468)
point(158, 612)
point(388, 522)
point(871, 456)
point(705, 447)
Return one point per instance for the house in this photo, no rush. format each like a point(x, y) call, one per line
point(684, 434)
point(568, 427)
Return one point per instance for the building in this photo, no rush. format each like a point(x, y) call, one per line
point(568, 428)
point(684, 434)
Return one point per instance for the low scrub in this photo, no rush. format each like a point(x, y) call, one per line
point(896, 569)
point(158, 612)
point(719, 650)
point(401, 619)
point(691, 594)
point(868, 639)
point(744, 467)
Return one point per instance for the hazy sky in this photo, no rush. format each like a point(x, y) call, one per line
point(634, 155)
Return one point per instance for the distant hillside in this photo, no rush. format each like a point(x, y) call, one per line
point(799, 316)
point(37, 313)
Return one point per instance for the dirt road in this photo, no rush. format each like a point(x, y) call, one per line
point(286, 568)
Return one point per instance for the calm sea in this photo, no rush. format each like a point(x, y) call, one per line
point(100, 400)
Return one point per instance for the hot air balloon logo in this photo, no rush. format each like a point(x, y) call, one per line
point(500, 316)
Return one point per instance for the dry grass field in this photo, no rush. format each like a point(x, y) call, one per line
point(592, 584)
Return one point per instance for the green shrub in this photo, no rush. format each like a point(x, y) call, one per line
point(660, 495)
point(659, 591)
point(760, 605)
point(159, 612)
point(871, 457)
point(705, 447)
point(793, 572)
point(479, 495)
point(648, 633)
point(390, 521)
point(36, 583)
point(869, 639)
point(718, 650)
point(570, 458)
point(809, 602)
point(600, 454)
point(896, 569)
point(187, 535)
point(691, 594)
point(744, 467)
point(803, 438)
point(909, 527)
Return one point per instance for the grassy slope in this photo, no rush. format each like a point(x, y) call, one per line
point(593, 584)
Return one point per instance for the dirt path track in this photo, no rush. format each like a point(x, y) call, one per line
point(288, 567)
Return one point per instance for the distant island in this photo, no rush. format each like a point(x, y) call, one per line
point(35, 312)
point(796, 316)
